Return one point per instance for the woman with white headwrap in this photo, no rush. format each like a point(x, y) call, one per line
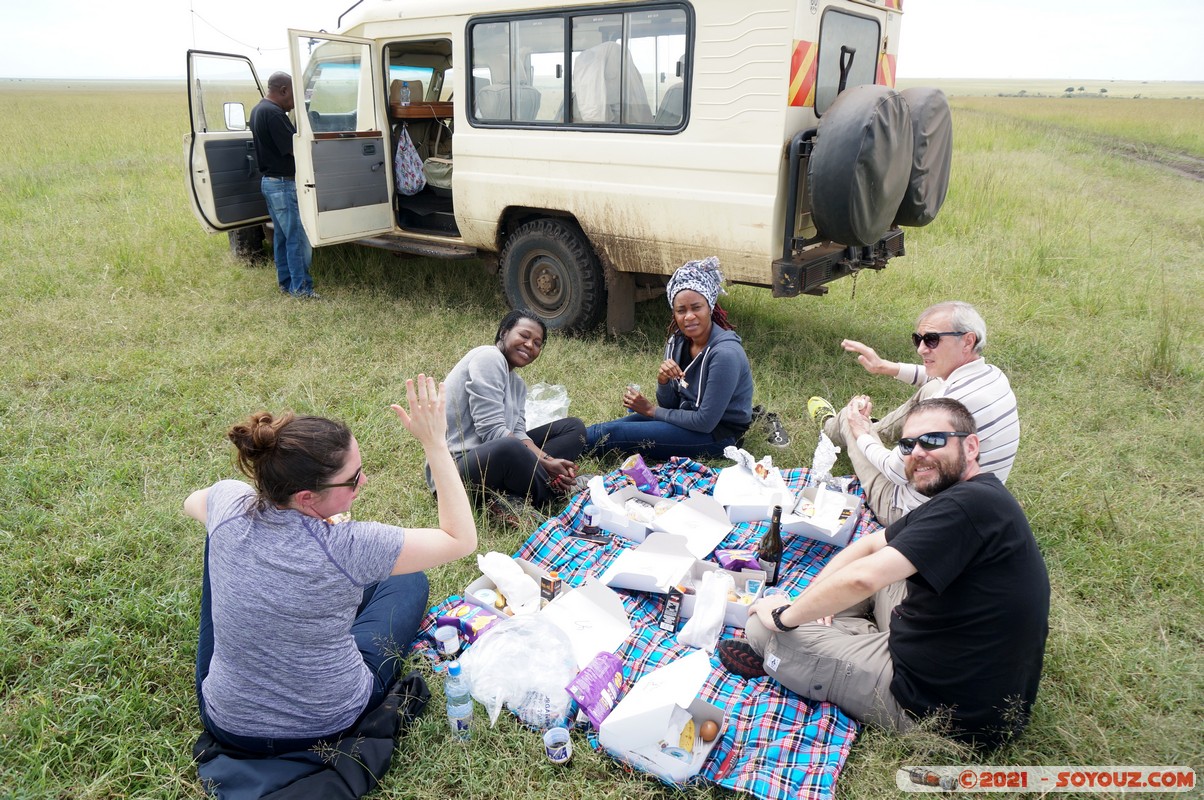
point(704, 385)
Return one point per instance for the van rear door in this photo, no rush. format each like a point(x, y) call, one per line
point(223, 175)
point(343, 148)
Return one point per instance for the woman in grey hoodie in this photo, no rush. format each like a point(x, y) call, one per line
point(704, 385)
point(487, 427)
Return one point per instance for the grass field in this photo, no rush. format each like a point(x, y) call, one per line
point(134, 340)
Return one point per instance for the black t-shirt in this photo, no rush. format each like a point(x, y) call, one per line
point(273, 134)
point(970, 635)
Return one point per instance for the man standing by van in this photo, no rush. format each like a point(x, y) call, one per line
point(273, 134)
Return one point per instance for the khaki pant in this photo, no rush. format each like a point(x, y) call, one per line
point(888, 500)
point(847, 664)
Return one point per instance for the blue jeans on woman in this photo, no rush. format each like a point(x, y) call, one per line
point(290, 245)
point(387, 620)
point(654, 439)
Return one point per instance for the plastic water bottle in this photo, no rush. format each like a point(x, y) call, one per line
point(459, 702)
point(403, 97)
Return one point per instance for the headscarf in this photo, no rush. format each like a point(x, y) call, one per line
point(702, 276)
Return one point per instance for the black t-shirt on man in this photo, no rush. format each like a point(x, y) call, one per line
point(970, 635)
point(273, 135)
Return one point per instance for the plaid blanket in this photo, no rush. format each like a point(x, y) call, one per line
point(777, 745)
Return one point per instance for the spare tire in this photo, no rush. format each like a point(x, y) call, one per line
point(932, 129)
point(859, 168)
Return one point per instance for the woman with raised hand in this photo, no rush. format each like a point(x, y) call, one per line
point(306, 617)
point(704, 385)
point(487, 429)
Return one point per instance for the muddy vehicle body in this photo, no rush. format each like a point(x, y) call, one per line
point(587, 150)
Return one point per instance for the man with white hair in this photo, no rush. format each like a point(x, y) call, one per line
point(949, 338)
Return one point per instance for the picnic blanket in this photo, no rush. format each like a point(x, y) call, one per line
point(777, 745)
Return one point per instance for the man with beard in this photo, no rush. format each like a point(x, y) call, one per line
point(945, 612)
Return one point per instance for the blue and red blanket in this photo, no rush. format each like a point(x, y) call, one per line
point(776, 745)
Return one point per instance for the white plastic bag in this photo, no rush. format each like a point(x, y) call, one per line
point(523, 663)
point(710, 604)
point(546, 402)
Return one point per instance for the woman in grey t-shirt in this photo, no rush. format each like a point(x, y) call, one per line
point(305, 616)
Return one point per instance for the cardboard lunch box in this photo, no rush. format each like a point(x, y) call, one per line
point(746, 498)
point(591, 615)
point(735, 614)
point(660, 562)
point(619, 523)
point(838, 533)
point(698, 518)
point(635, 730)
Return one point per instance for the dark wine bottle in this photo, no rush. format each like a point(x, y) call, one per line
point(769, 551)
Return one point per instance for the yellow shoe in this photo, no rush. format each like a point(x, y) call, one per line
point(820, 409)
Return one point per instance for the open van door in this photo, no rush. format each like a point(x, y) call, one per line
point(223, 174)
point(343, 153)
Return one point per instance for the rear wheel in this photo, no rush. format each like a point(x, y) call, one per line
point(247, 244)
point(549, 268)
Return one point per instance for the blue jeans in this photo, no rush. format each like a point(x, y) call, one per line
point(385, 623)
point(653, 439)
point(290, 246)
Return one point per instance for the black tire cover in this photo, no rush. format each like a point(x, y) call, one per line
point(859, 168)
point(932, 128)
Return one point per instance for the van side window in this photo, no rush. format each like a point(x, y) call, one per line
point(624, 68)
point(859, 39)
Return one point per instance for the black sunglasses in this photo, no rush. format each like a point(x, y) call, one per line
point(933, 338)
point(929, 441)
point(351, 484)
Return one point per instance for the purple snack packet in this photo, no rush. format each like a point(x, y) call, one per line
point(471, 620)
point(635, 468)
point(596, 688)
point(736, 560)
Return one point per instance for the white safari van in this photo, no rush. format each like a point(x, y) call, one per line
point(587, 150)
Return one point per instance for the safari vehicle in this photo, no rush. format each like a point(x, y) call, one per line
point(587, 150)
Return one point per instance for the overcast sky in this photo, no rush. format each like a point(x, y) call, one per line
point(1101, 39)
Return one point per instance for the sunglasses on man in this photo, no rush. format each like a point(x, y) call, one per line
point(929, 441)
point(351, 484)
point(933, 338)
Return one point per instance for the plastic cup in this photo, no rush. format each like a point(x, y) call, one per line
point(776, 591)
point(558, 745)
point(447, 639)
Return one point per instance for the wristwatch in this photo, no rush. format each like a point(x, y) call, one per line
point(776, 615)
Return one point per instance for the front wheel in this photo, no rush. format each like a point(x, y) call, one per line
point(247, 244)
point(549, 268)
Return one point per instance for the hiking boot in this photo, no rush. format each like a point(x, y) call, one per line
point(758, 411)
point(820, 410)
point(777, 434)
point(738, 657)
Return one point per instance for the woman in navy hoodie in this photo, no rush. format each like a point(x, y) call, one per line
point(704, 386)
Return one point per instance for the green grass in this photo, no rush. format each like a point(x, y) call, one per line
point(133, 340)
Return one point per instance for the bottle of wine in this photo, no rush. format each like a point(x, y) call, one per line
point(769, 551)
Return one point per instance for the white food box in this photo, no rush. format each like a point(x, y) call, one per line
point(593, 618)
point(838, 533)
point(748, 499)
point(634, 731)
point(484, 582)
point(660, 563)
point(618, 522)
point(591, 615)
point(700, 520)
point(735, 614)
